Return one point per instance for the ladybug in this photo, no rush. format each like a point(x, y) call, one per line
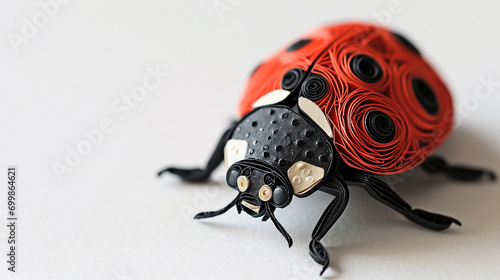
point(344, 105)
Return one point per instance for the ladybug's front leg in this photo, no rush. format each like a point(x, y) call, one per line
point(437, 164)
point(201, 175)
point(336, 186)
point(383, 193)
point(210, 214)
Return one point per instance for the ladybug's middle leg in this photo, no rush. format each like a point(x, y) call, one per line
point(437, 164)
point(336, 186)
point(383, 193)
point(198, 174)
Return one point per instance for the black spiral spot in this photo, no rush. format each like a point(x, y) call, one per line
point(291, 79)
point(297, 45)
point(247, 172)
point(366, 68)
point(314, 87)
point(405, 42)
point(269, 179)
point(380, 127)
point(425, 96)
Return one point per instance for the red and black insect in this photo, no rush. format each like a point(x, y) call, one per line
point(346, 104)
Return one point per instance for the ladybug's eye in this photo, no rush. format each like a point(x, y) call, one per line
point(280, 195)
point(425, 95)
point(232, 177)
point(291, 79)
point(314, 87)
point(366, 68)
point(380, 126)
point(297, 45)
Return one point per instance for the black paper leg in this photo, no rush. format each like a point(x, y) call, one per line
point(336, 186)
point(279, 227)
point(210, 214)
point(437, 164)
point(383, 193)
point(201, 175)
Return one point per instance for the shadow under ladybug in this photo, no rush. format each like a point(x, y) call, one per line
point(285, 147)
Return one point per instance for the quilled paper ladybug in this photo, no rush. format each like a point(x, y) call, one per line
point(344, 105)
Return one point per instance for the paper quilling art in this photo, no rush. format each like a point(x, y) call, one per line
point(345, 105)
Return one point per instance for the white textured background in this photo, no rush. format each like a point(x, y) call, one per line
point(111, 218)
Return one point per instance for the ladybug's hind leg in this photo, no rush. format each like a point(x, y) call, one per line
point(383, 193)
point(336, 186)
point(198, 174)
point(437, 164)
